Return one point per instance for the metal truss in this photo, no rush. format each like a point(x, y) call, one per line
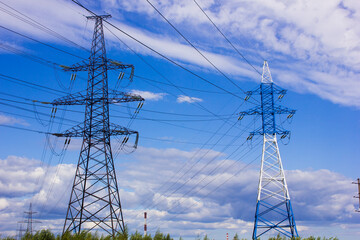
point(95, 200)
point(273, 207)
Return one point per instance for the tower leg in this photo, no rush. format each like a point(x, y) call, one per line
point(273, 208)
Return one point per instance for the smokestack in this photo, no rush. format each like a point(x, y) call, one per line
point(145, 226)
point(227, 236)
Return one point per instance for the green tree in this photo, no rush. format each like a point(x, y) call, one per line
point(147, 237)
point(158, 235)
point(44, 235)
point(167, 237)
point(136, 236)
point(236, 237)
point(123, 235)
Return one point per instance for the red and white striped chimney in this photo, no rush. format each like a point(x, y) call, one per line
point(227, 236)
point(145, 226)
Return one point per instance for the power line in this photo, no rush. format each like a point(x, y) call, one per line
point(36, 24)
point(192, 45)
point(177, 86)
point(24, 129)
point(45, 44)
point(158, 53)
point(154, 69)
point(220, 185)
point(30, 84)
point(207, 164)
point(227, 38)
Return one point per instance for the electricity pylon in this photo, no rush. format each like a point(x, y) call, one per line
point(273, 206)
point(29, 222)
point(358, 194)
point(95, 201)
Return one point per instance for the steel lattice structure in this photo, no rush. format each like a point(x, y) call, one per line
point(273, 207)
point(95, 201)
point(29, 222)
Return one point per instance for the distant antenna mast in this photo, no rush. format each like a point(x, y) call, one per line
point(145, 226)
point(358, 195)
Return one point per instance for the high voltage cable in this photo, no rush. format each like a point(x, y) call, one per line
point(195, 104)
point(158, 53)
point(24, 129)
point(45, 44)
point(181, 87)
point(228, 179)
point(193, 156)
point(38, 25)
point(27, 55)
point(32, 85)
point(196, 185)
point(114, 116)
point(192, 45)
point(197, 172)
point(142, 137)
point(180, 114)
point(35, 58)
point(110, 24)
point(145, 110)
point(227, 38)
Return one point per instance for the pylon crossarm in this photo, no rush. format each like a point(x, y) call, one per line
point(252, 111)
point(118, 97)
point(81, 98)
point(98, 62)
point(283, 110)
point(76, 131)
point(115, 130)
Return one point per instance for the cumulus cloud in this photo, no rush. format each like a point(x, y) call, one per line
point(8, 120)
point(312, 46)
point(184, 192)
point(187, 99)
point(306, 54)
point(149, 96)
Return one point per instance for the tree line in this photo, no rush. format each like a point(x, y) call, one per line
point(84, 235)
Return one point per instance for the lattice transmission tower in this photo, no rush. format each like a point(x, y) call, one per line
point(30, 221)
point(94, 200)
point(273, 206)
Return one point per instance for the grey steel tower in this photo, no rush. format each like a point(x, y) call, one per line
point(95, 201)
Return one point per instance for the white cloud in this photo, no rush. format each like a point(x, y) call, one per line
point(187, 99)
point(316, 42)
point(150, 178)
point(149, 96)
point(8, 120)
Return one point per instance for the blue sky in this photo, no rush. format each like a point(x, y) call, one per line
point(313, 51)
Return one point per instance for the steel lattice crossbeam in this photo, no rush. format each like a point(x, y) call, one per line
point(273, 207)
point(95, 201)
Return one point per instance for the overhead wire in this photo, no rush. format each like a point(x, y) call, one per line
point(218, 186)
point(30, 84)
point(232, 45)
point(154, 69)
point(194, 47)
point(231, 166)
point(193, 157)
point(24, 18)
point(40, 42)
point(202, 168)
point(158, 53)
